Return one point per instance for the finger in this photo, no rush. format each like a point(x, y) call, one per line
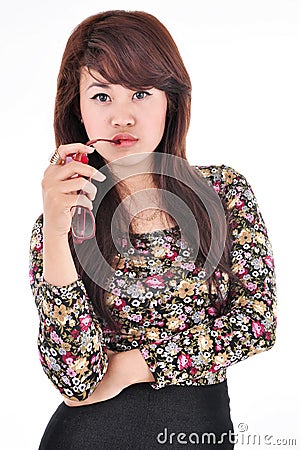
point(80, 200)
point(78, 168)
point(79, 183)
point(66, 171)
point(77, 147)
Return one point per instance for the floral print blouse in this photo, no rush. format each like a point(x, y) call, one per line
point(168, 315)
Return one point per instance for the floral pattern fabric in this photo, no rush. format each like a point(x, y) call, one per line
point(160, 298)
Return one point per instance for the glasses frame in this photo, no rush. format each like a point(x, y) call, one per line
point(86, 211)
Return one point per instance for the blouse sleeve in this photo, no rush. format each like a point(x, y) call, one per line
point(70, 338)
point(204, 351)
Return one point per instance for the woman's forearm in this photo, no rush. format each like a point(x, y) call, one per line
point(59, 268)
point(124, 369)
point(61, 187)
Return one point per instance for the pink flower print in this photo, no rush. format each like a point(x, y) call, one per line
point(70, 372)
point(258, 329)
point(193, 370)
point(136, 317)
point(41, 358)
point(252, 287)
point(218, 348)
point(68, 358)
point(75, 333)
point(145, 353)
point(119, 303)
point(31, 277)
point(268, 301)
point(85, 322)
point(155, 281)
point(184, 361)
point(171, 255)
point(243, 271)
point(216, 186)
point(214, 368)
point(188, 266)
point(239, 204)
point(219, 323)
point(94, 357)
point(249, 217)
point(211, 311)
point(269, 261)
point(116, 291)
point(169, 274)
point(268, 336)
point(54, 336)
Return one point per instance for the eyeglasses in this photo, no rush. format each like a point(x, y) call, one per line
point(83, 226)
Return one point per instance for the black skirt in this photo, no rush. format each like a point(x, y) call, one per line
point(140, 417)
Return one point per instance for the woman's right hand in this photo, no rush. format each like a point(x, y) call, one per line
point(60, 187)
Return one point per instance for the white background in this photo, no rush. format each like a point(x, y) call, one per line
point(243, 59)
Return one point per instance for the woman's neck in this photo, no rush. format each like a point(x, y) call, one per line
point(135, 171)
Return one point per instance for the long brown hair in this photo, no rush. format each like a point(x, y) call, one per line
point(135, 50)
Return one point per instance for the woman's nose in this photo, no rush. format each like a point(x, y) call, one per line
point(122, 117)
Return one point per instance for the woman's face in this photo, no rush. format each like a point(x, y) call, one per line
point(112, 111)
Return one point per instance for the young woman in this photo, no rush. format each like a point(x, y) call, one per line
point(139, 322)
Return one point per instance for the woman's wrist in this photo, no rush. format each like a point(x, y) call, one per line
point(58, 265)
point(53, 233)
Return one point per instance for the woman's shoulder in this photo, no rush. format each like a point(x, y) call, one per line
point(217, 172)
point(222, 176)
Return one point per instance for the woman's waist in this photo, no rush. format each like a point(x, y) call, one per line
point(193, 398)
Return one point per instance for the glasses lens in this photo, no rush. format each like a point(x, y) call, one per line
point(83, 224)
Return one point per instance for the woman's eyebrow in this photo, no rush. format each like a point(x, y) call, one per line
point(98, 84)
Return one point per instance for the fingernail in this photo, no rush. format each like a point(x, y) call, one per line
point(99, 176)
point(90, 149)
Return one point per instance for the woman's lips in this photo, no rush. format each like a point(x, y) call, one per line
point(125, 140)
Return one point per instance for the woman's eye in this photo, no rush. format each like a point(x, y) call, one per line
point(141, 94)
point(101, 97)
